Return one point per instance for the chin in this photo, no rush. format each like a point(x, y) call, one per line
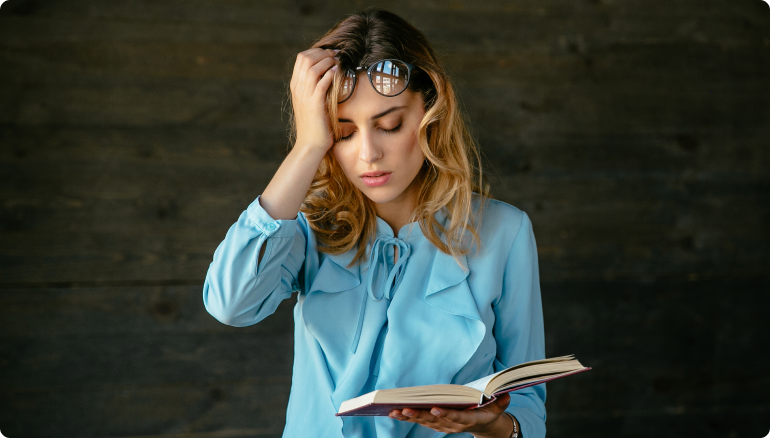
point(380, 195)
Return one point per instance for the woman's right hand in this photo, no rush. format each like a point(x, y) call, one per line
point(283, 197)
point(313, 73)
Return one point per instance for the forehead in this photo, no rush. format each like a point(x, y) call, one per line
point(366, 101)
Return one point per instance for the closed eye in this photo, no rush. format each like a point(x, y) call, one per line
point(387, 131)
point(394, 130)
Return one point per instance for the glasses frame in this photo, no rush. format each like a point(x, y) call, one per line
point(409, 69)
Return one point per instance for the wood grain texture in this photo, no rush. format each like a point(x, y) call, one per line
point(133, 134)
point(138, 361)
point(664, 354)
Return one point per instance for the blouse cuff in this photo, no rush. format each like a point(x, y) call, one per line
point(266, 224)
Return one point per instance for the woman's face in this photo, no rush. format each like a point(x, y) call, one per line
point(378, 150)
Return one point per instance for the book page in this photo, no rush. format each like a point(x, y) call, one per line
point(543, 369)
point(482, 383)
point(439, 394)
point(478, 392)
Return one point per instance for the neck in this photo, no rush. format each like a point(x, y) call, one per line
point(398, 212)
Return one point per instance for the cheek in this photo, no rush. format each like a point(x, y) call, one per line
point(345, 156)
point(411, 152)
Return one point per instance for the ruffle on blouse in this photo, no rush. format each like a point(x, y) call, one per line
point(423, 346)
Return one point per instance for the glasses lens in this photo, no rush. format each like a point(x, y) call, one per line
point(346, 88)
point(390, 77)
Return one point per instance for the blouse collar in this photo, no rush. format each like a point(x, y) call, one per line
point(411, 229)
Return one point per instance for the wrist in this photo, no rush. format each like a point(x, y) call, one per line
point(312, 147)
point(516, 433)
point(500, 428)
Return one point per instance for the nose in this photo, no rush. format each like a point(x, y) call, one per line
point(369, 151)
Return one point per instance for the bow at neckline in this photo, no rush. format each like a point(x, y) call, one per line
point(382, 284)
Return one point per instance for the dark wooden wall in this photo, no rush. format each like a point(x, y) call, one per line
point(132, 134)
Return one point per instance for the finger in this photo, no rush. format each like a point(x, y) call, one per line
point(425, 418)
point(463, 418)
point(308, 82)
point(504, 400)
point(311, 85)
point(316, 54)
point(420, 416)
point(307, 59)
point(397, 413)
point(326, 80)
point(316, 71)
point(306, 56)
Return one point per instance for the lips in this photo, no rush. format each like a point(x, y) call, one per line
point(376, 178)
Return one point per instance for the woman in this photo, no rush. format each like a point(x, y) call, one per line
point(375, 218)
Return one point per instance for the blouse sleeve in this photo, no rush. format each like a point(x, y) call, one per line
point(240, 292)
point(518, 328)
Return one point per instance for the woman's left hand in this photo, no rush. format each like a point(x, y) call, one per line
point(481, 422)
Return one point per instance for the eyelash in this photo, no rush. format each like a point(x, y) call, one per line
point(387, 131)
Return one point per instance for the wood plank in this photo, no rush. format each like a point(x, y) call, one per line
point(126, 204)
point(163, 376)
point(116, 101)
point(179, 233)
point(133, 133)
point(667, 356)
point(698, 344)
point(78, 312)
point(94, 361)
point(149, 359)
point(628, 16)
point(670, 422)
point(202, 410)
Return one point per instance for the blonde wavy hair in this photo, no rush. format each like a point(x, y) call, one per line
point(341, 215)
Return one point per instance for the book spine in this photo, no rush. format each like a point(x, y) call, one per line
point(485, 399)
point(484, 403)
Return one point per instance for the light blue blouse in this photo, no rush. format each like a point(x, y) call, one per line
point(425, 320)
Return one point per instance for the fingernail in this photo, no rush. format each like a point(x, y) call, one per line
point(336, 50)
point(408, 414)
point(435, 412)
point(337, 58)
point(334, 68)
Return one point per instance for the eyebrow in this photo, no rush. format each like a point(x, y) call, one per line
point(376, 116)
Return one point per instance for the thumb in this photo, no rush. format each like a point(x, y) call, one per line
point(504, 400)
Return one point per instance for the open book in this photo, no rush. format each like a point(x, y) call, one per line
point(475, 394)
